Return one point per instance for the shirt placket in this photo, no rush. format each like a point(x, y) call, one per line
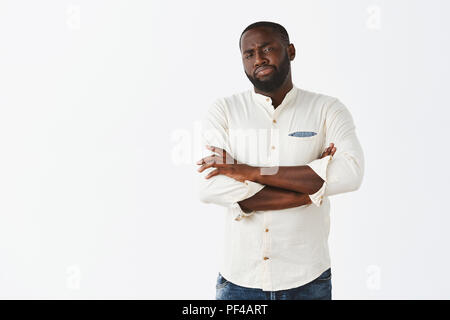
point(273, 145)
point(267, 258)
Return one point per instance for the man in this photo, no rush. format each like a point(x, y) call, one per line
point(276, 188)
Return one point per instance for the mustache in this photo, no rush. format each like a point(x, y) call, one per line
point(262, 68)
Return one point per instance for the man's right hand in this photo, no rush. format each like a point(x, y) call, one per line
point(329, 151)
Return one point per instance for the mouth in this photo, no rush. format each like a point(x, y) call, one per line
point(263, 71)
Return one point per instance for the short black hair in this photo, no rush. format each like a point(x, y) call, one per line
point(275, 27)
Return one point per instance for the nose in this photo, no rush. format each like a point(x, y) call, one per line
point(259, 60)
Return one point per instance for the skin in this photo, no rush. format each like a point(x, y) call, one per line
point(268, 55)
point(290, 186)
point(270, 197)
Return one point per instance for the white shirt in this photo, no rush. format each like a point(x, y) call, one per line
point(280, 249)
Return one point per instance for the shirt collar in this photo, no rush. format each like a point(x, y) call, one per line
point(266, 101)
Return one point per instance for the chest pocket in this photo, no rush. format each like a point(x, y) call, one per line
point(303, 135)
point(301, 147)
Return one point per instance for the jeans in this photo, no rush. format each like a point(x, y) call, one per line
point(318, 289)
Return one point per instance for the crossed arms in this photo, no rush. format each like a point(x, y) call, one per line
point(289, 187)
point(241, 186)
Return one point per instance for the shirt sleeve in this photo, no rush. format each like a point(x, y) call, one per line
point(220, 189)
point(344, 171)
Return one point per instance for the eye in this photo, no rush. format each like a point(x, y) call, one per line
point(248, 56)
point(268, 49)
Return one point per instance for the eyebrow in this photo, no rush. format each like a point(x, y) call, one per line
point(261, 46)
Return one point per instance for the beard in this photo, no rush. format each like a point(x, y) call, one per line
point(276, 79)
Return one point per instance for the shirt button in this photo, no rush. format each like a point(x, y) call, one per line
point(274, 121)
point(265, 258)
point(267, 99)
point(273, 147)
point(267, 230)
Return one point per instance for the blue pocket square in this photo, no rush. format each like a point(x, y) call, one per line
point(302, 134)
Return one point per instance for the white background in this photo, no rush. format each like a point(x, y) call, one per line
point(95, 94)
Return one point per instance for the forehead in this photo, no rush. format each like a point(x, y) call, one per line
point(257, 36)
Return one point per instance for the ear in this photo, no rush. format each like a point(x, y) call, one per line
point(291, 51)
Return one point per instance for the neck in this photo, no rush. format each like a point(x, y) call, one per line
point(278, 94)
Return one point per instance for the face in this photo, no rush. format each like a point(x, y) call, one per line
point(267, 62)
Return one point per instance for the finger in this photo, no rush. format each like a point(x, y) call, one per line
point(212, 174)
point(206, 166)
point(201, 161)
point(208, 159)
point(228, 158)
point(330, 148)
point(333, 151)
point(215, 150)
point(225, 157)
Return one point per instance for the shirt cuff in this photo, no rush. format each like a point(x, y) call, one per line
point(252, 189)
point(320, 168)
